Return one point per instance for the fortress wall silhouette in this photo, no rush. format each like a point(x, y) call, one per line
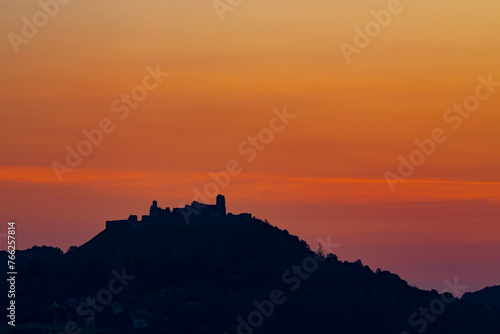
point(194, 214)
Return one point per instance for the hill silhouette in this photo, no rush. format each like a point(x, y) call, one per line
point(246, 277)
point(489, 296)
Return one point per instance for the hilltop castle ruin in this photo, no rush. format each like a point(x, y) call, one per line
point(194, 214)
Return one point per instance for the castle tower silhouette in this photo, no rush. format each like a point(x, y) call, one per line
point(194, 214)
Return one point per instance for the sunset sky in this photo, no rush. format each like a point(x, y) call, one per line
point(324, 174)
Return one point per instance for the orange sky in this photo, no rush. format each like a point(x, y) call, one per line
point(322, 175)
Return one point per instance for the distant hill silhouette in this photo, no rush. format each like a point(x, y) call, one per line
point(217, 279)
point(489, 296)
point(24, 257)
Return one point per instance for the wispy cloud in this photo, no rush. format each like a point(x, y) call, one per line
point(259, 186)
